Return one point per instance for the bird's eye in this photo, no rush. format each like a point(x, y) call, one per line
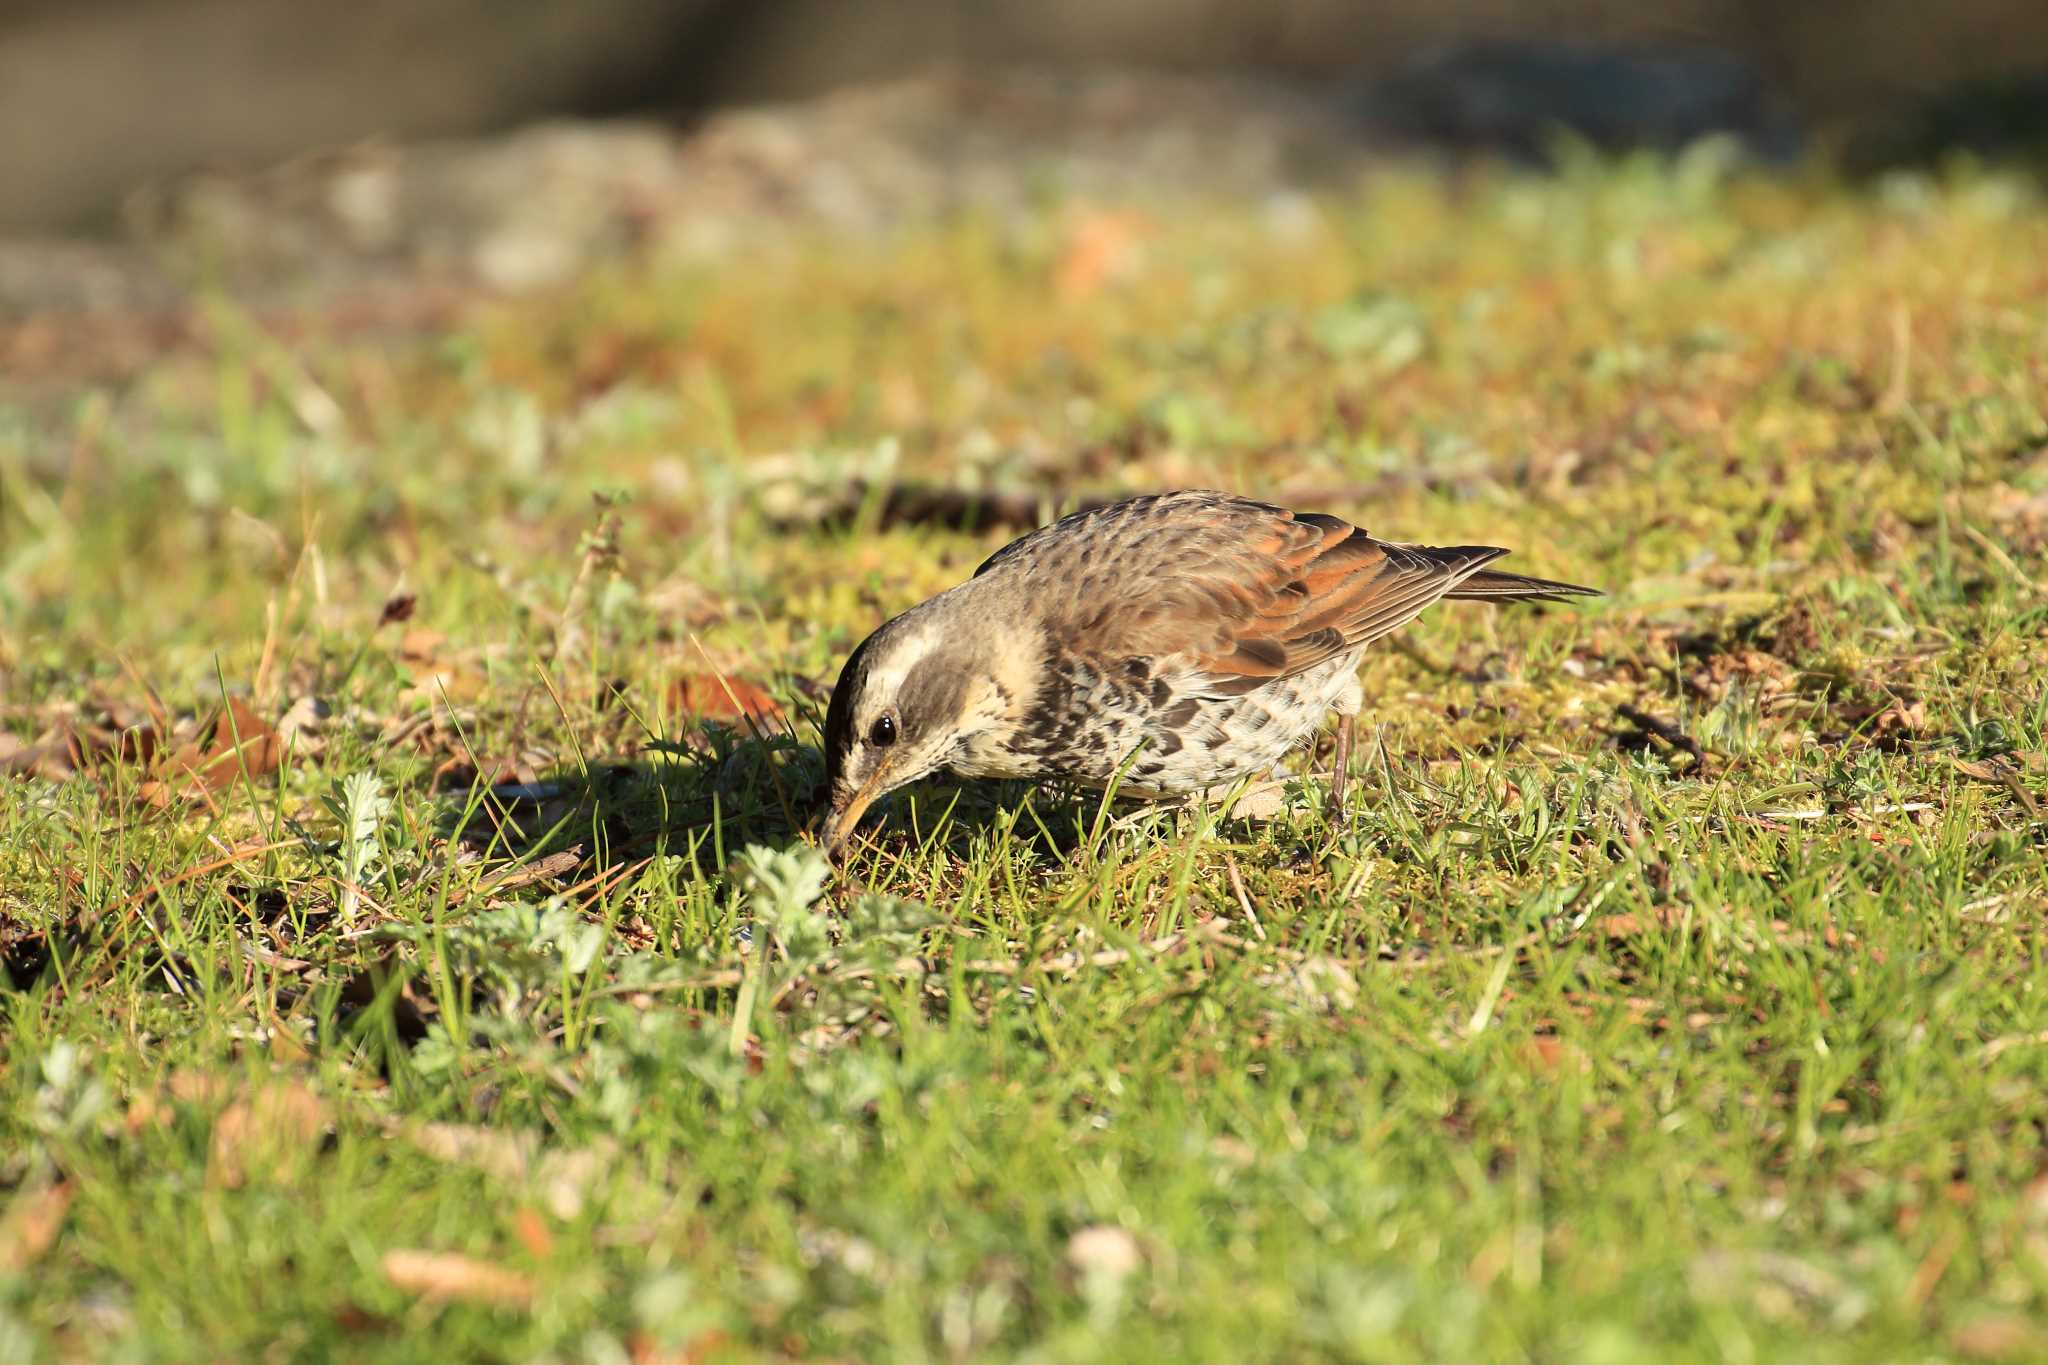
point(883, 732)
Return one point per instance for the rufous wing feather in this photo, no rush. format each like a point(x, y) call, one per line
point(1245, 592)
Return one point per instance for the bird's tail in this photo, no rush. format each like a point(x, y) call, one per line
point(1490, 585)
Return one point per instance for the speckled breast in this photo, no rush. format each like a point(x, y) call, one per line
point(1086, 724)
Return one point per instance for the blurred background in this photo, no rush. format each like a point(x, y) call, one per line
point(269, 143)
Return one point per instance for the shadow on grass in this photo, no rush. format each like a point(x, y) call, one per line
point(706, 800)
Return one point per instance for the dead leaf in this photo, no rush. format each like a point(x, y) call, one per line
point(420, 643)
point(398, 608)
point(194, 757)
point(31, 1225)
point(1099, 248)
point(145, 1112)
point(1628, 924)
point(450, 1276)
point(301, 724)
point(533, 1234)
point(715, 696)
point(2007, 771)
point(1997, 1336)
point(1104, 1251)
point(1547, 1052)
point(2034, 1199)
point(643, 1349)
point(1898, 723)
point(506, 1155)
point(357, 1320)
point(1317, 983)
point(236, 740)
point(1991, 771)
point(49, 758)
point(560, 1178)
point(269, 1132)
point(198, 1087)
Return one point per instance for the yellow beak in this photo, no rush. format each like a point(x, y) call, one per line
point(843, 816)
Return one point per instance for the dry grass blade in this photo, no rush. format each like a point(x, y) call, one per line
point(31, 1224)
point(447, 1276)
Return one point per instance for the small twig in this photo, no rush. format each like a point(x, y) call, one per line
point(710, 981)
point(512, 878)
point(600, 551)
point(2003, 560)
point(1069, 963)
point(2013, 1040)
point(1475, 954)
point(274, 961)
point(1243, 900)
point(158, 887)
point(1665, 730)
point(1897, 388)
point(605, 881)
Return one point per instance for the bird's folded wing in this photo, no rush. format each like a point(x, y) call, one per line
point(1241, 592)
point(1321, 588)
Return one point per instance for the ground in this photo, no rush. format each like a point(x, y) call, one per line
point(403, 737)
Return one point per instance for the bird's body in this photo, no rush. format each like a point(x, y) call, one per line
point(1172, 643)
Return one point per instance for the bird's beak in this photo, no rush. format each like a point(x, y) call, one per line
point(841, 818)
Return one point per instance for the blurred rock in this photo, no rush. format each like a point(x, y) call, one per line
point(535, 206)
point(2007, 118)
point(39, 274)
point(526, 209)
point(1515, 97)
point(98, 96)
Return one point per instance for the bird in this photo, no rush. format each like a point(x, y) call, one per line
point(1165, 646)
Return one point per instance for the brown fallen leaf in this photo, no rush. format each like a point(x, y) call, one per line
point(357, 1320)
point(189, 1086)
point(399, 608)
point(2034, 1199)
point(714, 696)
point(301, 724)
point(1628, 924)
point(48, 758)
point(196, 757)
point(1104, 1250)
point(643, 1349)
point(79, 742)
point(1998, 1336)
point(1100, 247)
point(421, 643)
point(533, 1234)
point(558, 1177)
point(31, 1225)
point(448, 1276)
point(1898, 721)
point(508, 1155)
point(2007, 771)
point(436, 680)
point(236, 739)
point(271, 1131)
point(145, 1112)
point(1549, 1053)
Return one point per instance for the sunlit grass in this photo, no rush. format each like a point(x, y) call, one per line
point(1574, 1042)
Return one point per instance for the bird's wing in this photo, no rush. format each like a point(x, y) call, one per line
point(1242, 592)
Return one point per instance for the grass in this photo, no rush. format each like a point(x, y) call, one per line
point(1711, 1033)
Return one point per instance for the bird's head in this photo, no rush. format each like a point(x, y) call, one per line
point(904, 702)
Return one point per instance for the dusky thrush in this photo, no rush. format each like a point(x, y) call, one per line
point(1171, 644)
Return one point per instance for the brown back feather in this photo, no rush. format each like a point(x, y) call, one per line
point(1245, 592)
